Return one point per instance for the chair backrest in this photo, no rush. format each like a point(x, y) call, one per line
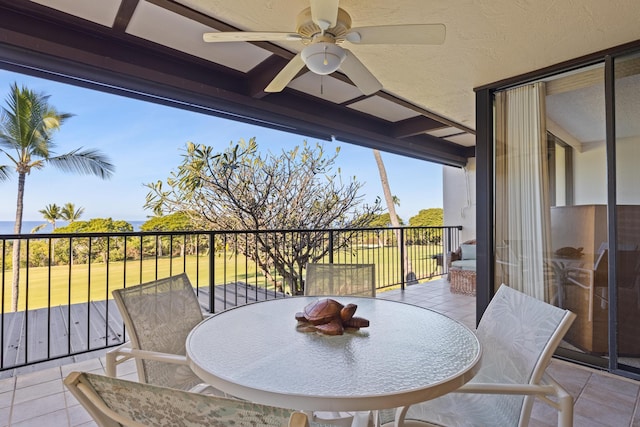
point(519, 335)
point(158, 316)
point(340, 279)
point(114, 402)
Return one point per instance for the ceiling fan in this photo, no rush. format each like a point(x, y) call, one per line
point(323, 28)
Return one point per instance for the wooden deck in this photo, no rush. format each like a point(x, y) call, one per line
point(61, 331)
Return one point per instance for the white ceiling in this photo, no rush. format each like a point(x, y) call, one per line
point(486, 41)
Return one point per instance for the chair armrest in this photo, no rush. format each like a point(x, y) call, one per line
point(453, 256)
point(496, 388)
point(125, 352)
point(549, 387)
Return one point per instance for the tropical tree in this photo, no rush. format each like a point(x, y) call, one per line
point(432, 217)
point(391, 202)
point(97, 248)
point(27, 125)
point(70, 213)
point(178, 221)
point(241, 189)
point(51, 214)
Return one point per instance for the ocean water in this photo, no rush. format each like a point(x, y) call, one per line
point(6, 227)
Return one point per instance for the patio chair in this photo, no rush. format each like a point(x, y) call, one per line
point(519, 335)
point(158, 316)
point(340, 279)
point(462, 268)
point(116, 402)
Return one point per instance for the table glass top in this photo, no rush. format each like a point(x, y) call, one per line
point(404, 348)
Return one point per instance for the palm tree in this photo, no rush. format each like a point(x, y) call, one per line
point(70, 213)
point(393, 216)
point(51, 214)
point(27, 124)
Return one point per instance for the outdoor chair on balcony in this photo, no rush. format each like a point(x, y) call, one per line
point(158, 316)
point(462, 269)
point(519, 335)
point(340, 279)
point(116, 402)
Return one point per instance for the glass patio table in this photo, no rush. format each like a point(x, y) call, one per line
point(408, 354)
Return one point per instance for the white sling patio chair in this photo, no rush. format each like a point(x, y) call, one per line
point(158, 316)
point(116, 402)
point(340, 279)
point(519, 335)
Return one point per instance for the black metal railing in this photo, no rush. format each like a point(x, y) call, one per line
point(63, 306)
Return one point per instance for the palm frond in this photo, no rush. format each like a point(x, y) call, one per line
point(5, 173)
point(88, 162)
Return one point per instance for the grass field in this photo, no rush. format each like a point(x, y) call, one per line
point(62, 285)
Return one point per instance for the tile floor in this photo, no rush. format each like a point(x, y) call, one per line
point(36, 397)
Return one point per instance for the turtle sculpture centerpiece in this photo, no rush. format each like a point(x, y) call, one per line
point(329, 317)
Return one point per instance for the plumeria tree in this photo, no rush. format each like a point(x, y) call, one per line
point(243, 189)
point(27, 125)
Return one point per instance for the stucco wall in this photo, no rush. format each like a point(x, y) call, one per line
point(459, 198)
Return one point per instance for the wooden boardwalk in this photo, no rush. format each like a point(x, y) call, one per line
point(62, 331)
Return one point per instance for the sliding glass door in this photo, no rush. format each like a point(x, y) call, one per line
point(567, 204)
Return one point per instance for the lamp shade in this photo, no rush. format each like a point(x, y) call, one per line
point(323, 58)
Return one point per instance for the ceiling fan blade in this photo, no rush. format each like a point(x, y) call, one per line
point(286, 74)
point(398, 34)
point(249, 36)
point(359, 74)
point(324, 13)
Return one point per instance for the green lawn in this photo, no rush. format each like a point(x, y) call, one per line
point(63, 285)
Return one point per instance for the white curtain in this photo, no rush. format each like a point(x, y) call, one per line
point(522, 190)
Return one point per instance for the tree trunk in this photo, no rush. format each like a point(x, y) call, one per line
point(410, 276)
point(17, 229)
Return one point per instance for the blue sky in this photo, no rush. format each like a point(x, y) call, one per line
point(144, 142)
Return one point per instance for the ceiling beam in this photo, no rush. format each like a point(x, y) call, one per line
point(415, 126)
point(124, 14)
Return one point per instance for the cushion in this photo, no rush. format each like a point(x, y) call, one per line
point(465, 264)
point(468, 251)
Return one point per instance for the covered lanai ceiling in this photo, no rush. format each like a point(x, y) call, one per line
point(425, 109)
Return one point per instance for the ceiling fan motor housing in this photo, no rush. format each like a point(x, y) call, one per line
point(309, 29)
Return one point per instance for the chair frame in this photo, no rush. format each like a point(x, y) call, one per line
point(130, 349)
point(80, 387)
point(540, 385)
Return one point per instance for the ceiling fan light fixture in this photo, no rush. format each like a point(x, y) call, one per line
point(323, 58)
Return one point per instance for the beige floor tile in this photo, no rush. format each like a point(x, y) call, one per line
point(5, 413)
point(617, 385)
point(37, 407)
point(38, 377)
point(603, 413)
point(6, 399)
point(58, 418)
point(7, 384)
point(85, 366)
point(37, 391)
